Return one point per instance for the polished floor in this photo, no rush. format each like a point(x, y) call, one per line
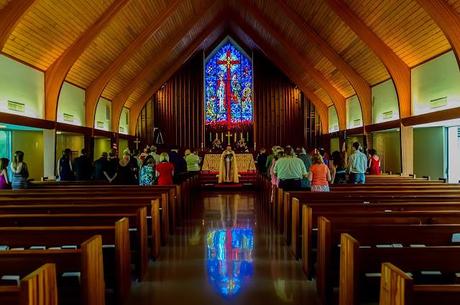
point(225, 253)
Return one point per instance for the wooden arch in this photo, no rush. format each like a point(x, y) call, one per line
point(57, 72)
point(10, 16)
point(398, 69)
point(337, 98)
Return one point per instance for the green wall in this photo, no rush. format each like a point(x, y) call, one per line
point(72, 101)
point(354, 115)
point(333, 119)
point(122, 145)
point(388, 147)
point(335, 145)
point(22, 84)
point(385, 105)
point(435, 79)
point(430, 151)
point(75, 142)
point(124, 121)
point(102, 117)
point(31, 143)
point(101, 145)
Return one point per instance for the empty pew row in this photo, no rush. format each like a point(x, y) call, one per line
point(370, 235)
point(137, 228)
point(430, 264)
point(306, 229)
point(398, 288)
point(87, 259)
point(115, 244)
point(36, 288)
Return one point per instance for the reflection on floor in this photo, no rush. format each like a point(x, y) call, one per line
point(226, 253)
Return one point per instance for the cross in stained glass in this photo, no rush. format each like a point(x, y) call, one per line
point(228, 62)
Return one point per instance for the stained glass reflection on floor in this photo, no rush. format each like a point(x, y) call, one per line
point(226, 252)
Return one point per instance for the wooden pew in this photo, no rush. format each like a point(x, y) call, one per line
point(37, 288)
point(87, 260)
point(356, 261)
point(117, 235)
point(398, 288)
point(384, 232)
point(157, 228)
point(137, 220)
point(303, 224)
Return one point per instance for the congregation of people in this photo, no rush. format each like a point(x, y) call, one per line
point(295, 169)
point(145, 168)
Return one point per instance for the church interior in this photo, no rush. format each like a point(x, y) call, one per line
point(229, 152)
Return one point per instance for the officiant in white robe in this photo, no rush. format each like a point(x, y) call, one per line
point(228, 168)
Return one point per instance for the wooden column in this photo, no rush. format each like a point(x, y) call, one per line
point(407, 150)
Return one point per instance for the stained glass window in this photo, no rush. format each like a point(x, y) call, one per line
point(228, 87)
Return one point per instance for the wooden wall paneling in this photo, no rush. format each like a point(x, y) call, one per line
point(57, 72)
point(10, 16)
point(337, 98)
point(281, 63)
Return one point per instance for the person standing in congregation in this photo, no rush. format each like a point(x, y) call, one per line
point(127, 169)
point(165, 170)
point(65, 166)
point(290, 170)
point(4, 181)
point(374, 163)
point(180, 166)
point(278, 154)
point(154, 154)
point(192, 160)
point(338, 168)
point(20, 171)
point(357, 165)
point(262, 161)
point(111, 169)
point(306, 158)
point(100, 167)
point(147, 172)
point(82, 166)
point(319, 175)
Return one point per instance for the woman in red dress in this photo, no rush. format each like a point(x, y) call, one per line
point(165, 170)
point(374, 163)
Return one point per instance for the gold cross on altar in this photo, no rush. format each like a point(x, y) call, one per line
point(229, 136)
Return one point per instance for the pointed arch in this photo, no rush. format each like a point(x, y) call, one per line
point(397, 68)
point(10, 16)
point(359, 84)
point(97, 86)
point(57, 72)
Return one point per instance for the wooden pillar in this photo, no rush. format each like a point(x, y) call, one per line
point(407, 150)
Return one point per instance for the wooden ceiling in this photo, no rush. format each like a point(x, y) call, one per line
point(143, 39)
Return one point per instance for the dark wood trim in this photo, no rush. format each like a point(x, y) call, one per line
point(73, 128)
point(14, 119)
point(355, 131)
point(383, 126)
point(102, 133)
point(438, 116)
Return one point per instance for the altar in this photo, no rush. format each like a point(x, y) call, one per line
point(245, 163)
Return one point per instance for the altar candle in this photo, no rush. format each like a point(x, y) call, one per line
point(210, 137)
point(222, 137)
point(234, 137)
point(247, 137)
point(241, 135)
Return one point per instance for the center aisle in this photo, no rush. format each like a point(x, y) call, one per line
point(226, 253)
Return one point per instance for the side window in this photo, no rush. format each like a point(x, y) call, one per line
point(5, 144)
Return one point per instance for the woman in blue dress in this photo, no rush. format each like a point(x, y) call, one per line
point(147, 172)
point(19, 171)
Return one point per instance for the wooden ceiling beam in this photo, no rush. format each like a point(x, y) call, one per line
point(57, 72)
point(280, 62)
point(359, 84)
point(447, 19)
point(397, 68)
point(136, 109)
point(97, 86)
point(337, 98)
point(10, 16)
point(121, 98)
